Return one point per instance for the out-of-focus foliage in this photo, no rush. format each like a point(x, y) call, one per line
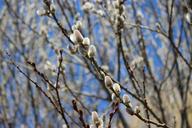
point(97, 63)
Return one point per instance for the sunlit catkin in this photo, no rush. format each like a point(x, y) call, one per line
point(95, 118)
point(86, 41)
point(116, 88)
point(78, 36)
point(91, 51)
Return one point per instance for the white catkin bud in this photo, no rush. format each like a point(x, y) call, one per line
point(53, 73)
point(86, 41)
point(137, 110)
point(115, 4)
point(126, 99)
point(108, 81)
point(52, 8)
point(95, 117)
point(122, 18)
point(72, 38)
point(102, 73)
point(78, 36)
point(43, 30)
point(137, 62)
point(91, 51)
point(48, 87)
point(158, 26)
point(47, 65)
point(100, 12)
point(105, 68)
point(139, 15)
point(57, 85)
point(88, 6)
point(92, 126)
point(78, 24)
point(41, 12)
point(113, 97)
point(64, 126)
point(116, 88)
point(74, 27)
point(130, 105)
point(188, 17)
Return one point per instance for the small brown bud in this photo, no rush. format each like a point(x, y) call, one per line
point(126, 99)
point(137, 110)
point(74, 105)
point(130, 111)
point(108, 81)
point(73, 49)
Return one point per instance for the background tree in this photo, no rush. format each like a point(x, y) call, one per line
point(97, 63)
